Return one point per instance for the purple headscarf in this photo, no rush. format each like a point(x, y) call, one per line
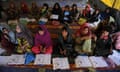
point(44, 39)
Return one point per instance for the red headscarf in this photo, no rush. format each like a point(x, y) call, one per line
point(85, 11)
point(24, 8)
point(82, 27)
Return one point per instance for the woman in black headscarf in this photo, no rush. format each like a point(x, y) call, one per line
point(66, 42)
point(57, 10)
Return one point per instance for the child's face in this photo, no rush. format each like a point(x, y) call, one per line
point(87, 8)
point(64, 33)
point(41, 32)
point(97, 11)
point(67, 9)
point(44, 7)
point(23, 5)
point(12, 5)
point(5, 31)
point(18, 30)
point(56, 6)
point(105, 33)
point(85, 31)
point(107, 11)
point(75, 7)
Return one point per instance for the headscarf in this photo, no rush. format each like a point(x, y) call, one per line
point(79, 32)
point(25, 8)
point(69, 36)
point(85, 11)
point(44, 39)
point(25, 33)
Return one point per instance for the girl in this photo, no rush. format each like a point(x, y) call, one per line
point(116, 40)
point(43, 42)
point(57, 10)
point(24, 10)
point(35, 12)
point(87, 12)
point(24, 38)
point(66, 15)
point(66, 42)
point(74, 11)
point(44, 11)
point(12, 12)
point(83, 40)
point(95, 16)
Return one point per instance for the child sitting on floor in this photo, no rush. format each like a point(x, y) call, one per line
point(104, 43)
point(43, 42)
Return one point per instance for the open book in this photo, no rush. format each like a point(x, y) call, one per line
point(16, 59)
point(43, 59)
point(82, 61)
point(98, 62)
point(60, 63)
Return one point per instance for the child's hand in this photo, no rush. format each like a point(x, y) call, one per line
point(64, 52)
point(102, 36)
point(44, 50)
point(61, 51)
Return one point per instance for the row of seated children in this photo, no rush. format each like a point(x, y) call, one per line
point(66, 46)
point(36, 12)
point(68, 14)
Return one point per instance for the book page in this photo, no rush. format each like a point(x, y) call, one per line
point(60, 63)
point(82, 61)
point(4, 60)
point(16, 59)
point(98, 62)
point(115, 57)
point(53, 16)
point(116, 60)
point(2, 50)
point(43, 59)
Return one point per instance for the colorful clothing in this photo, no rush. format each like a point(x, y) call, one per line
point(25, 39)
point(83, 41)
point(23, 46)
point(84, 46)
point(43, 40)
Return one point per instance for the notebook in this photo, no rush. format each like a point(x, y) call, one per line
point(16, 59)
point(60, 63)
point(98, 62)
point(82, 61)
point(43, 59)
point(4, 60)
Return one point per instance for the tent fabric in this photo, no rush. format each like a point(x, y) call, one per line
point(112, 3)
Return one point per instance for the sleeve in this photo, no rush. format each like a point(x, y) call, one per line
point(36, 40)
point(48, 42)
point(60, 42)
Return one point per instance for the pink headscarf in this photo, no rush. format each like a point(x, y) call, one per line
point(82, 27)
